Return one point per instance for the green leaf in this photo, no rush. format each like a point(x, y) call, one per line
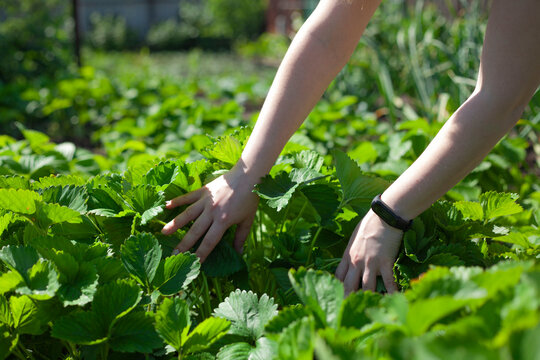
point(352, 312)
point(80, 328)
point(296, 342)
point(308, 159)
point(321, 292)
point(188, 178)
point(470, 210)
point(161, 174)
point(58, 180)
point(6, 316)
point(248, 314)
point(264, 349)
point(173, 322)
point(146, 201)
point(358, 188)
point(6, 220)
point(42, 281)
point(424, 313)
point(175, 273)
point(71, 196)
point(102, 202)
point(114, 300)
point(19, 201)
point(37, 166)
point(19, 258)
point(135, 333)
point(515, 238)
point(6, 342)
point(223, 260)
point(49, 214)
point(205, 334)
point(285, 317)
point(14, 182)
point(9, 281)
point(277, 190)
point(35, 138)
point(78, 280)
point(226, 149)
point(499, 204)
point(324, 200)
point(141, 255)
point(24, 315)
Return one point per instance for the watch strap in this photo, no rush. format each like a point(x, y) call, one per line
point(388, 215)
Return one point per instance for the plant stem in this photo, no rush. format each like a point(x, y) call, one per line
point(284, 219)
point(299, 216)
point(17, 353)
point(27, 353)
point(217, 286)
point(312, 244)
point(105, 351)
point(206, 295)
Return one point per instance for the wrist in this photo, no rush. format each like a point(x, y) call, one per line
point(244, 176)
point(389, 215)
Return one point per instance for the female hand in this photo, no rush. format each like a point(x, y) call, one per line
point(371, 251)
point(226, 201)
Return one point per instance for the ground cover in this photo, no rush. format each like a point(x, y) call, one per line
point(86, 273)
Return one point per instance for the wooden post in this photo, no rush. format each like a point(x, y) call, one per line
point(75, 12)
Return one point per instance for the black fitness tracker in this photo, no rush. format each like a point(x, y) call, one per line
point(388, 215)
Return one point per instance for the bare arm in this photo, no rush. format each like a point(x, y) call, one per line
point(318, 52)
point(508, 77)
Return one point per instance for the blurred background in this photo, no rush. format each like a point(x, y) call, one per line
point(81, 70)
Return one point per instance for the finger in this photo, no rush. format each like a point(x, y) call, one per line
point(242, 232)
point(188, 198)
point(210, 241)
point(341, 270)
point(196, 231)
point(388, 279)
point(369, 279)
point(186, 216)
point(352, 279)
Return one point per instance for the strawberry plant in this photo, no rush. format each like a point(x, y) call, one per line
point(87, 273)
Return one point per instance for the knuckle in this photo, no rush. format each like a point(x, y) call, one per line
point(356, 258)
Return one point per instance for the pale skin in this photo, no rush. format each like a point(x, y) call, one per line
point(508, 77)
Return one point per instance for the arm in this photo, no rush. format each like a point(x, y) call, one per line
point(508, 77)
point(319, 51)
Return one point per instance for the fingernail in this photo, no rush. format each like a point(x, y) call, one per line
point(176, 252)
point(167, 203)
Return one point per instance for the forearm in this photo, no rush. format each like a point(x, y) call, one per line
point(458, 148)
point(319, 51)
point(508, 77)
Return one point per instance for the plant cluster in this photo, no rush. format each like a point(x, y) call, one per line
point(87, 274)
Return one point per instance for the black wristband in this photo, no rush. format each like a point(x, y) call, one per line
point(388, 215)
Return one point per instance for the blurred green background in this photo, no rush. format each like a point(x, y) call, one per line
point(417, 60)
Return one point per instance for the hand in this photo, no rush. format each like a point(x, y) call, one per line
point(226, 201)
point(371, 251)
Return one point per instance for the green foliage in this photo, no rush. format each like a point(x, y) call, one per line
point(109, 32)
point(86, 273)
point(35, 52)
point(248, 314)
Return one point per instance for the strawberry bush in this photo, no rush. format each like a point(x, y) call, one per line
point(87, 274)
point(88, 161)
